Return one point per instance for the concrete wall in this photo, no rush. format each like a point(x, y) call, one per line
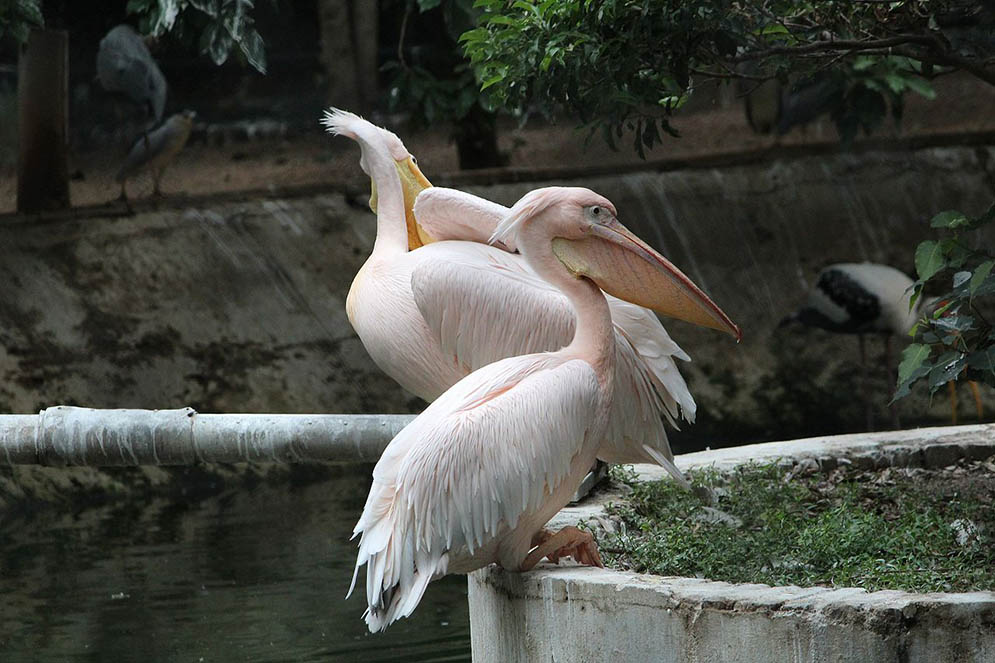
point(570, 613)
point(233, 307)
point(238, 306)
point(586, 614)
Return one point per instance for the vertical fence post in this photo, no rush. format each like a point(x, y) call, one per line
point(43, 122)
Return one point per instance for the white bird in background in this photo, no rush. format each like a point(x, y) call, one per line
point(859, 298)
point(475, 477)
point(430, 316)
point(156, 149)
point(865, 298)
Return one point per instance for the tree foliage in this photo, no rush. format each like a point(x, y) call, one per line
point(434, 84)
point(439, 85)
point(17, 17)
point(221, 25)
point(631, 63)
point(957, 338)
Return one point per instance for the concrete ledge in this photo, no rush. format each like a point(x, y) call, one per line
point(582, 614)
point(586, 614)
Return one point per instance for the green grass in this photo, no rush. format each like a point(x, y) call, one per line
point(876, 530)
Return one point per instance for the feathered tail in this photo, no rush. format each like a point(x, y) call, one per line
point(397, 571)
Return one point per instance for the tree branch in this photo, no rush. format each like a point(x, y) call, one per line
point(825, 46)
point(974, 68)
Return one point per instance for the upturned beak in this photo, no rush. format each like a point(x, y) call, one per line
point(625, 266)
point(413, 182)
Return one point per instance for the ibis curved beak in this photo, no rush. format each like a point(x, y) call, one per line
point(413, 182)
point(625, 266)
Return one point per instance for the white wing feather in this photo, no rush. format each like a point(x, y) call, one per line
point(477, 309)
point(466, 470)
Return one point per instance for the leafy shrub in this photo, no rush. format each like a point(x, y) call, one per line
point(956, 338)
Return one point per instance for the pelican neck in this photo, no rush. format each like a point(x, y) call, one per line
point(392, 228)
point(593, 339)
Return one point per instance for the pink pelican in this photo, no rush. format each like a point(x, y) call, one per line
point(430, 316)
point(475, 477)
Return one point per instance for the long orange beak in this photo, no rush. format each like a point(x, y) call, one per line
point(625, 266)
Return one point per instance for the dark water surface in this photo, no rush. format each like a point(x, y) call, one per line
point(255, 574)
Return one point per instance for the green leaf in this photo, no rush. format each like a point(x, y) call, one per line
point(946, 368)
point(921, 86)
point(913, 357)
point(955, 323)
point(774, 29)
point(255, 50)
point(497, 78)
point(912, 367)
point(929, 259)
point(477, 34)
point(895, 83)
point(501, 19)
point(981, 272)
point(950, 219)
point(940, 311)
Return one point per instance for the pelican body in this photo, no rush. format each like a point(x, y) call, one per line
point(473, 479)
point(431, 312)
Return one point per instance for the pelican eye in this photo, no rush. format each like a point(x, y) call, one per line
point(596, 214)
point(414, 160)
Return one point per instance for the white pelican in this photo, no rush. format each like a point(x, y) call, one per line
point(475, 477)
point(430, 316)
point(868, 298)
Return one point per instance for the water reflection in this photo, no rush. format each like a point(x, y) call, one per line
point(255, 574)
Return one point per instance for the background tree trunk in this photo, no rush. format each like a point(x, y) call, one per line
point(43, 121)
point(349, 39)
point(476, 140)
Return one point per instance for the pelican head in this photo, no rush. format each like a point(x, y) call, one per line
point(590, 242)
point(370, 136)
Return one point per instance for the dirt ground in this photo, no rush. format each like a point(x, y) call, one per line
point(315, 159)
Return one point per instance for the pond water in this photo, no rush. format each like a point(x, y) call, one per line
point(251, 574)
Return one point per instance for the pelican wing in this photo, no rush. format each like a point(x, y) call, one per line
point(648, 389)
point(454, 214)
point(485, 453)
point(478, 301)
point(478, 308)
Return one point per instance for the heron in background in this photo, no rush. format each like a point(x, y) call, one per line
point(155, 150)
point(125, 65)
point(866, 298)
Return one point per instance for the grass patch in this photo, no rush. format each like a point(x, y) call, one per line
point(899, 528)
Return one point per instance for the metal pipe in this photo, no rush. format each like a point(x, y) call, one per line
point(64, 435)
